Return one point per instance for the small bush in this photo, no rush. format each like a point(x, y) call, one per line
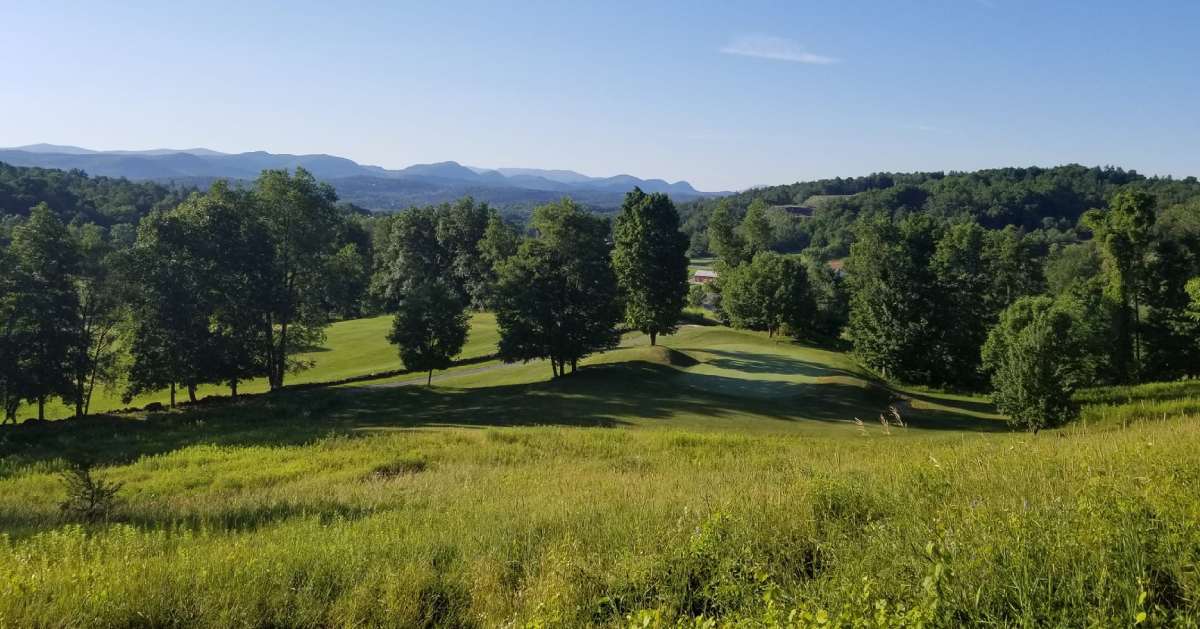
point(89, 499)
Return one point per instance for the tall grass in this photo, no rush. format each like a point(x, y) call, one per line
point(556, 526)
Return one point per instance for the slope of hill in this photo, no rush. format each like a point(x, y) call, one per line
point(720, 476)
point(419, 183)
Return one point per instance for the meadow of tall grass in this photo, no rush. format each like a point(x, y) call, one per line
point(649, 526)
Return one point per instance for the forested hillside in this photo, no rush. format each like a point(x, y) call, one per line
point(1045, 202)
point(77, 197)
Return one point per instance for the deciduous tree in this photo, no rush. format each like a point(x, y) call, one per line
point(650, 260)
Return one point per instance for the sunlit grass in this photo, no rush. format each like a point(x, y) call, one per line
point(719, 474)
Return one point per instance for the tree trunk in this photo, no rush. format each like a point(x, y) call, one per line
point(554, 366)
point(281, 358)
point(233, 388)
point(191, 387)
point(653, 337)
point(172, 395)
point(79, 400)
point(429, 379)
point(41, 407)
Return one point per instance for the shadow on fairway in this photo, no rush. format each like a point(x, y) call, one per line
point(607, 396)
point(751, 363)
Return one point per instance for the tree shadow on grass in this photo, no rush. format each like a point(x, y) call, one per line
point(753, 363)
point(607, 396)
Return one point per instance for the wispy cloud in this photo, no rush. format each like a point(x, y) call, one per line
point(776, 48)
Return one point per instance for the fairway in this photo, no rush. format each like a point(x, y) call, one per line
point(352, 348)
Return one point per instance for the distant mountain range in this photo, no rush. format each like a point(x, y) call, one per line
point(372, 187)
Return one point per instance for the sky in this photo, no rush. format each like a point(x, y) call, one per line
point(724, 95)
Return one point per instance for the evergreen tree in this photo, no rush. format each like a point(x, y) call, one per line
point(650, 260)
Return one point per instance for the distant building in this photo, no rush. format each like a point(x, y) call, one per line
point(703, 276)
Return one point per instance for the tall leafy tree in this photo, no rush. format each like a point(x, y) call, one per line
point(461, 227)
point(233, 251)
point(170, 340)
point(430, 327)
point(12, 339)
point(961, 313)
point(650, 260)
point(894, 297)
point(769, 293)
point(1032, 359)
point(724, 238)
point(46, 261)
point(94, 356)
point(557, 298)
point(755, 229)
point(1123, 232)
point(301, 218)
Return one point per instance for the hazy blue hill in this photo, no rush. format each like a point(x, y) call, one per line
point(368, 186)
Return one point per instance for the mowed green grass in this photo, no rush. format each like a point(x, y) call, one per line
point(352, 348)
point(719, 475)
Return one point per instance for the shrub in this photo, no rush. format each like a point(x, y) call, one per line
point(1032, 359)
point(88, 498)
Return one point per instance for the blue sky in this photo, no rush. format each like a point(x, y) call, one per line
point(725, 95)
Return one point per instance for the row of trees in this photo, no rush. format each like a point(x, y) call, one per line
point(228, 285)
point(559, 293)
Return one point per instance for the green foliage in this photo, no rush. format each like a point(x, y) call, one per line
point(893, 301)
point(430, 327)
point(77, 198)
point(771, 293)
point(1123, 235)
point(723, 237)
point(1032, 358)
point(41, 327)
point(557, 297)
point(1193, 291)
point(650, 262)
point(459, 243)
point(89, 499)
point(755, 229)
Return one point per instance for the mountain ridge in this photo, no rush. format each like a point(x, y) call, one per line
point(395, 188)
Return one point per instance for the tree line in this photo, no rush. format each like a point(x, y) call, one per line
point(561, 289)
point(930, 299)
point(228, 285)
point(236, 282)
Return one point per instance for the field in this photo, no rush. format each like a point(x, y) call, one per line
point(720, 475)
point(351, 348)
